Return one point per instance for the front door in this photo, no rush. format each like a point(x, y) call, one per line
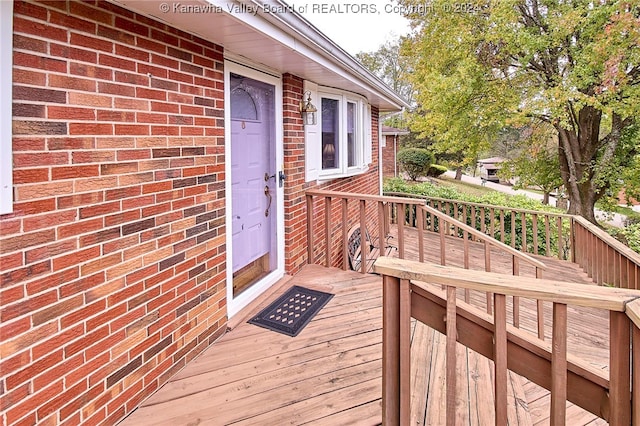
point(253, 180)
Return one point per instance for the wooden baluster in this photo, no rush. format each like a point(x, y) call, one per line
point(540, 309)
point(572, 240)
point(310, 242)
point(421, 235)
point(451, 362)
point(501, 226)
point(560, 254)
point(483, 224)
point(441, 225)
point(523, 226)
point(534, 221)
point(513, 229)
point(547, 236)
point(559, 365)
point(364, 245)
point(327, 231)
point(401, 213)
point(473, 221)
point(455, 216)
point(500, 357)
point(464, 214)
point(492, 218)
point(382, 230)
point(405, 352)
point(487, 268)
point(516, 299)
point(619, 369)
point(345, 233)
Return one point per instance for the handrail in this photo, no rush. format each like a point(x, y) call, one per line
point(612, 299)
point(549, 365)
point(365, 197)
point(492, 241)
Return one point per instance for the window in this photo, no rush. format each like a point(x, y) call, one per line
point(345, 136)
point(6, 78)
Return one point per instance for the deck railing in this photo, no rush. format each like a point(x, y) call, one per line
point(328, 208)
point(408, 292)
point(606, 260)
point(530, 231)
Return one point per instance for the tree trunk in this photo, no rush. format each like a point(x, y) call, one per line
point(459, 173)
point(545, 198)
point(579, 161)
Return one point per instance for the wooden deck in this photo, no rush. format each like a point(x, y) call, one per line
point(330, 374)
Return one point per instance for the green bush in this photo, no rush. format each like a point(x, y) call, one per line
point(629, 235)
point(415, 161)
point(436, 170)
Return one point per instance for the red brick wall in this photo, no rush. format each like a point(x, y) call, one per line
point(295, 202)
point(389, 157)
point(113, 262)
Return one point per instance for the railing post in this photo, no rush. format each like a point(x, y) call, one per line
point(396, 329)
point(310, 259)
point(619, 369)
point(451, 362)
point(327, 231)
point(500, 357)
point(345, 233)
point(559, 365)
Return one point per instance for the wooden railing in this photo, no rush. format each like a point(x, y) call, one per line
point(541, 233)
point(606, 260)
point(328, 208)
point(408, 292)
point(321, 210)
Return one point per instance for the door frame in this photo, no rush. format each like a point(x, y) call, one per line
point(234, 305)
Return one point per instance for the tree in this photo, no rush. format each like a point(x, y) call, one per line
point(572, 64)
point(390, 66)
point(537, 162)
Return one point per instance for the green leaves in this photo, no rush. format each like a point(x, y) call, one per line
point(573, 64)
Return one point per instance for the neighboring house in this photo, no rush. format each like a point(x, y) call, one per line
point(160, 164)
point(390, 148)
point(489, 168)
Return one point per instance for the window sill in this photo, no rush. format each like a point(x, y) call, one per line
point(324, 178)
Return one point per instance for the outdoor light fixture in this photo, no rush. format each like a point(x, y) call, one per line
point(307, 110)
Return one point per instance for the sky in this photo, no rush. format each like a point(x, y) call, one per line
point(356, 27)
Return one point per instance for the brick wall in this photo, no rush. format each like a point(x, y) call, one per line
point(295, 202)
point(113, 262)
point(389, 152)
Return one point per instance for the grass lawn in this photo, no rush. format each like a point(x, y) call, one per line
point(464, 187)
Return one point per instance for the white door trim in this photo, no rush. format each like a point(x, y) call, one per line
point(234, 305)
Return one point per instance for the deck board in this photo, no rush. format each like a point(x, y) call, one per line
point(331, 372)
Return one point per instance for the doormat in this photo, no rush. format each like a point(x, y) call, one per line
point(292, 311)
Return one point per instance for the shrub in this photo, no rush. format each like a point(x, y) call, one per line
point(436, 170)
point(415, 161)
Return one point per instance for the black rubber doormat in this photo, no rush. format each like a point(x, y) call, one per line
point(292, 311)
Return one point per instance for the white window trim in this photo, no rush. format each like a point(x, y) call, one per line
point(363, 137)
point(6, 98)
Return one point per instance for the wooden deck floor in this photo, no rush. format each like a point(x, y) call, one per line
point(330, 374)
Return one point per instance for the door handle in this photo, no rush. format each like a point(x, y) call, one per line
point(267, 192)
